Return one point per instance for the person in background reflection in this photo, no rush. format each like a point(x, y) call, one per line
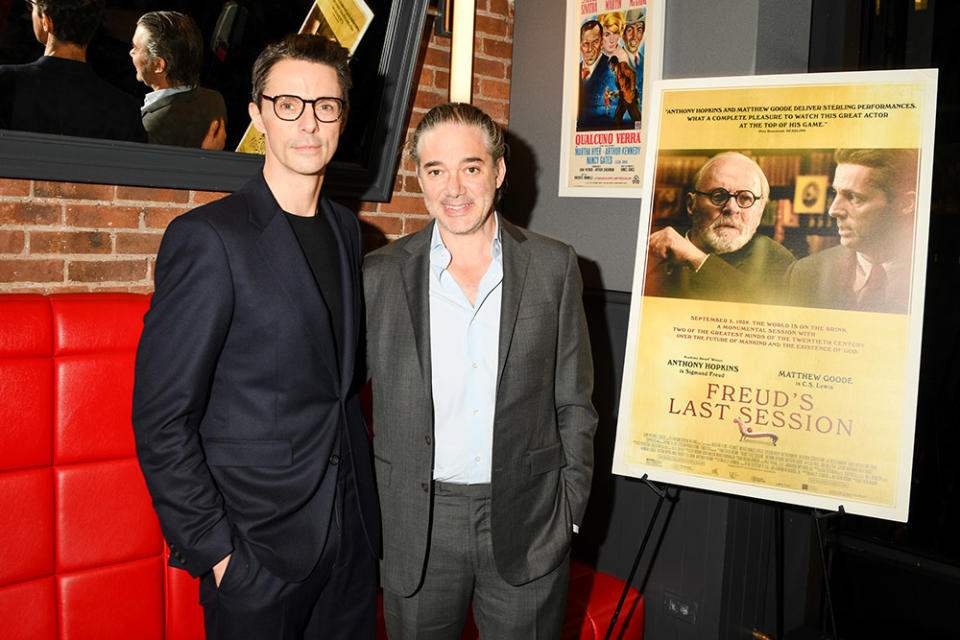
point(167, 53)
point(59, 93)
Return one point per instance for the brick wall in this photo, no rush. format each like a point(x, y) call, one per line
point(68, 237)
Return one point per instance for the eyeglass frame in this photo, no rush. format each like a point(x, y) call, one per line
point(715, 193)
point(303, 105)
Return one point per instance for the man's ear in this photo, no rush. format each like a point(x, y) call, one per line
point(255, 116)
point(906, 204)
point(343, 117)
point(501, 171)
point(689, 205)
point(159, 65)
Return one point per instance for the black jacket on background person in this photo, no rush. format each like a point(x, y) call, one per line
point(65, 97)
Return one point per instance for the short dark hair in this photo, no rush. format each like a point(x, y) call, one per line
point(176, 38)
point(302, 46)
point(74, 21)
point(588, 25)
point(894, 170)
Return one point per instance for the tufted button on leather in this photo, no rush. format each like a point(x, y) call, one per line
point(334, 459)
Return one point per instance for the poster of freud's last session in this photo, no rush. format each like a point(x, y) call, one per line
point(776, 315)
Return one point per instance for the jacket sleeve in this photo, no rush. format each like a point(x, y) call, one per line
point(573, 387)
point(183, 333)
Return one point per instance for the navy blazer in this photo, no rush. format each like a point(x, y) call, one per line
point(239, 398)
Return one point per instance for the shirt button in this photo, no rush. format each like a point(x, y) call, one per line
point(474, 365)
point(477, 459)
point(334, 459)
point(476, 412)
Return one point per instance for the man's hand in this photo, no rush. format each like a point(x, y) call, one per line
point(668, 245)
point(216, 136)
point(220, 568)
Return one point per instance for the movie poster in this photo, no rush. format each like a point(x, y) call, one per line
point(344, 21)
point(612, 48)
point(775, 323)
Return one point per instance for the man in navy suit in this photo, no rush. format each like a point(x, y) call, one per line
point(247, 422)
point(598, 86)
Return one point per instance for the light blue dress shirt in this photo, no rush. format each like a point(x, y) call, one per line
point(464, 345)
point(153, 96)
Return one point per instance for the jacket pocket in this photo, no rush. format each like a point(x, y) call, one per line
point(248, 453)
point(536, 309)
point(546, 459)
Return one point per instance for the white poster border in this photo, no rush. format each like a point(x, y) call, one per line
point(652, 72)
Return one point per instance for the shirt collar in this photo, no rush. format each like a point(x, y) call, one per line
point(153, 96)
point(440, 255)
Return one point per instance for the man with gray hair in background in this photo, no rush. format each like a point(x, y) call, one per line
point(167, 53)
point(721, 256)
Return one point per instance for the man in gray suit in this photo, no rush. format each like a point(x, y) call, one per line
point(483, 423)
point(167, 53)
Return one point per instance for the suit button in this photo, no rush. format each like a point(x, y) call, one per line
point(425, 486)
point(334, 459)
point(427, 439)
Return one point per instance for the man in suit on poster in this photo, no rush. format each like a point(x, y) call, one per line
point(248, 427)
point(483, 424)
point(598, 86)
point(874, 208)
point(721, 256)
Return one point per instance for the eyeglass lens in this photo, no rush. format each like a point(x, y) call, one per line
point(291, 107)
point(744, 199)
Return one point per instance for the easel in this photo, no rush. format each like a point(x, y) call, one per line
point(818, 516)
point(662, 493)
point(779, 561)
point(778, 537)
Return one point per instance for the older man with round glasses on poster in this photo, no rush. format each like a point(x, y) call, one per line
point(721, 256)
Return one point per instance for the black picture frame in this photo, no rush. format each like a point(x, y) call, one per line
point(367, 176)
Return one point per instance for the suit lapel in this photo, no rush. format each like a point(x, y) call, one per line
point(280, 250)
point(349, 285)
point(416, 283)
point(516, 259)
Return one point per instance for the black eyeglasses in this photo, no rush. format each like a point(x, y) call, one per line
point(290, 108)
point(719, 197)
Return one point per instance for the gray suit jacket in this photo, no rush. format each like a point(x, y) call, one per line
point(183, 119)
point(544, 419)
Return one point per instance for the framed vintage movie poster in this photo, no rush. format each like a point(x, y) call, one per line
point(775, 323)
point(612, 50)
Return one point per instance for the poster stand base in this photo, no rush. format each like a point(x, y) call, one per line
point(818, 516)
point(643, 545)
